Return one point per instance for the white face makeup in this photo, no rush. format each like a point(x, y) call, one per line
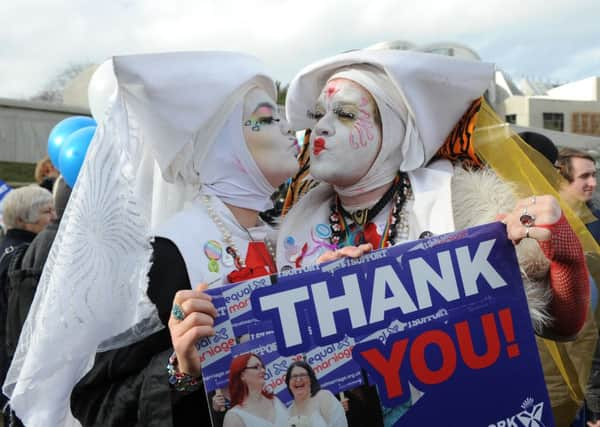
point(347, 137)
point(270, 140)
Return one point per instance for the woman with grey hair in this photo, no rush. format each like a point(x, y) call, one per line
point(26, 212)
point(28, 208)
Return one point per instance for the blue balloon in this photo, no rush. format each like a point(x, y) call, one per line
point(61, 132)
point(72, 153)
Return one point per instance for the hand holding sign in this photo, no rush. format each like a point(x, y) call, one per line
point(192, 318)
point(529, 216)
point(347, 251)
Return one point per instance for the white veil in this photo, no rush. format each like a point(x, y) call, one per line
point(142, 165)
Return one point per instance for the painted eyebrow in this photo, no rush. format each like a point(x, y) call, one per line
point(345, 104)
point(263, 105)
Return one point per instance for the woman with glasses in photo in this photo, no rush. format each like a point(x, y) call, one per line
point(252, 405)
point(320, 407)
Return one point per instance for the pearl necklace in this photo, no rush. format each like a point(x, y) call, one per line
point(226, 234)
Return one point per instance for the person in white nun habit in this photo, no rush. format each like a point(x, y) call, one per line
point(378, 117)
point(168, 197)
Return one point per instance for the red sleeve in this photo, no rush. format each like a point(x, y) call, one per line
point(569, 278)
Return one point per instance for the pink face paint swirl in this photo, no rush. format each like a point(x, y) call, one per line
point(319, 244)
point(366, 123)
point(363, 127)
point(360, 132)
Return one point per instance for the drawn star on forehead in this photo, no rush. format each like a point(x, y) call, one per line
point(331, 89)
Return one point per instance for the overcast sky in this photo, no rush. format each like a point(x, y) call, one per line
point(547, 39)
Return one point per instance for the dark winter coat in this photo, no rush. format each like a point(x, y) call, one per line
point(129, 386)
point(12, 239)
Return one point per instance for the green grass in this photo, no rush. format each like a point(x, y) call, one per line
point(17, 174)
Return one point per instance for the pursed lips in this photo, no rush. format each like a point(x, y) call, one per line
point(318, 146)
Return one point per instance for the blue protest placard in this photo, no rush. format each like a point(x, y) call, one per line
point(237, 301)
point(4, 190)
point(440, 326)
point(455, 319)
point(334, 365)
point(215, 351)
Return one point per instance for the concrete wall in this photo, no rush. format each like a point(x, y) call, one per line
point(25, 126)
point(540, 105)
point(518, 105)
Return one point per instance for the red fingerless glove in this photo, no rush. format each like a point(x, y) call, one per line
point(569, 280)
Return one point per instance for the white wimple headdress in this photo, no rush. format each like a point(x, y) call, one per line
point(169, 111)
point(420, 97)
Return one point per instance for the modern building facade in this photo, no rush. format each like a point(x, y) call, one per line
point(25, 126)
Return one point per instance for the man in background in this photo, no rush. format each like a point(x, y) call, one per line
point(579, 169)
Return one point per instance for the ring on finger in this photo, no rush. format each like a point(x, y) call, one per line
point(177, 312)
point(527, 219)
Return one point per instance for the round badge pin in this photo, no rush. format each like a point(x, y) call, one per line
point(323, 231)
point(213, 266)
point(289, 242)
point(213, 250)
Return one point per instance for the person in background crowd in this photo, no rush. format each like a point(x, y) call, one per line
point(24, 274)
point(24, 280)
point(26, 212)
point(579, 169)
point(46, 173)
point(578, 351)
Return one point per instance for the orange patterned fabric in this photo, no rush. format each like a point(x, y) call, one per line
point(568, 278)
point(301, 182)
point(458, 146)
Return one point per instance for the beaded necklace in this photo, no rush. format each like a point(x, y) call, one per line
point(228, 238)
point(396, 224)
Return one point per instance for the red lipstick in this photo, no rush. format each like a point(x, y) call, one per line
point(318, 145)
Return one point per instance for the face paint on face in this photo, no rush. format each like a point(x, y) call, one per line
point(270, 140)
point(262, 116)
point(346, 133)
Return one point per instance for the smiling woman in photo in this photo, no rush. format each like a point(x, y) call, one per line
point(320, 406)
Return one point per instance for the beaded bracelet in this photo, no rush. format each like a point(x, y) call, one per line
point(181, 381)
